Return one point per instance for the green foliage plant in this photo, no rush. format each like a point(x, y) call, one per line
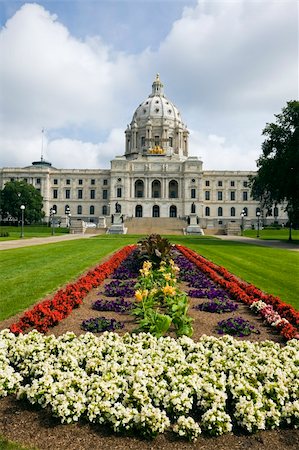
point(155, 249)
point(159, 302)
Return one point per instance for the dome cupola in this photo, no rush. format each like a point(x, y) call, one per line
point(156, 127)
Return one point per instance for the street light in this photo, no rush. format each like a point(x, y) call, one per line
point(22, 207)
point(68, 216)
point(243, 214)
point(52, 214)
point(258, 214)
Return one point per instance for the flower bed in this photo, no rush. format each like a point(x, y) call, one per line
point(147, 385)
point(48, 313)
point(287, 319)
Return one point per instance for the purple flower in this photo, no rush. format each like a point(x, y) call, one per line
point(217, 306)
point(98, 324)
point(236, 326)
point(118, 305)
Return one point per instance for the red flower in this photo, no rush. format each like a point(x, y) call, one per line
point(48, 313)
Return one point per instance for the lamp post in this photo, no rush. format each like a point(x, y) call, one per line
point(52, 214)
point(68, 216)
point(290, 214)
point(258, 214)
point(243, 214)
point(22, 207)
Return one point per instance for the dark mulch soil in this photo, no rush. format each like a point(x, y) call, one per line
point(33, 427)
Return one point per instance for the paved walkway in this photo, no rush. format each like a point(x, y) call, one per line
point(18, 243)
point(286, 245)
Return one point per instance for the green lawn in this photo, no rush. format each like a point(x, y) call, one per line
point(280, 235)
point(275, 271)
point(29, 274)
point(30, 231)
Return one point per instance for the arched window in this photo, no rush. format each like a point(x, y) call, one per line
point(257, 210)
point(91, 210)
point(233, 212)
point(173, 189)
point(104, 210)
point(245, 211)
point(275, 211)
point(138, 211)
point(156, 211)
point(66, 209)
point(54, 208)
point(156, 189)
point(139, 189)
point(193, 208)
point(207, 211)
point(172, 211)
point(220, 211)
point(79, 209)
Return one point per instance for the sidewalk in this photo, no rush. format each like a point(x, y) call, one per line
point(286, 245)
point(18, 243)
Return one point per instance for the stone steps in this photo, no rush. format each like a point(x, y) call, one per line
point(155, 225)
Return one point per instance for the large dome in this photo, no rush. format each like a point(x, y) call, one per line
point(157, 106)
point(157, 127)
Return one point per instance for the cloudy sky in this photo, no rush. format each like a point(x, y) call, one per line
point(78, 69)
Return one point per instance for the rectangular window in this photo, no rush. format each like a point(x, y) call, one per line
point(170, 142)
point(55, 193)
point(245, 183)
point(68, 181)
point(105, 194)
point(207, 195)
point(157, 140)
point(232, 183)
point(245, 196)
point(219, 183)
point(105, 182)
point(219, 195)
point(93, 181)
point(143, 141)
point(118, 192)
point(233, 196)
point(207, 183)
point(38, 181)
point(92, 194)
point(80, 181)
point(80, 193)
point(55, 181)
point(193, 193)
point(67, 193)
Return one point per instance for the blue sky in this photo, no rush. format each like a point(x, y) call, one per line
point(80, 68)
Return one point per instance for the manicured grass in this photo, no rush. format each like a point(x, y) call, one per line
point(280, 235)
point(30, 273)
point(275, 271)
point(30, 231)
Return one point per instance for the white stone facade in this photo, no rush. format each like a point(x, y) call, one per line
point(154, 178)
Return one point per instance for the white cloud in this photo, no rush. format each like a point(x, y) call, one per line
point(211, 148)
point(229, 67)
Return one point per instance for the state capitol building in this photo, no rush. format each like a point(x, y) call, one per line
point(154, 178)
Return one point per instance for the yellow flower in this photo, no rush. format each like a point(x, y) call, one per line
point(169, 290)
point(140, 294)
point(167, 276)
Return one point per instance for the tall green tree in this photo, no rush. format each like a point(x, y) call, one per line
point(17, 193)
point(277, 178)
